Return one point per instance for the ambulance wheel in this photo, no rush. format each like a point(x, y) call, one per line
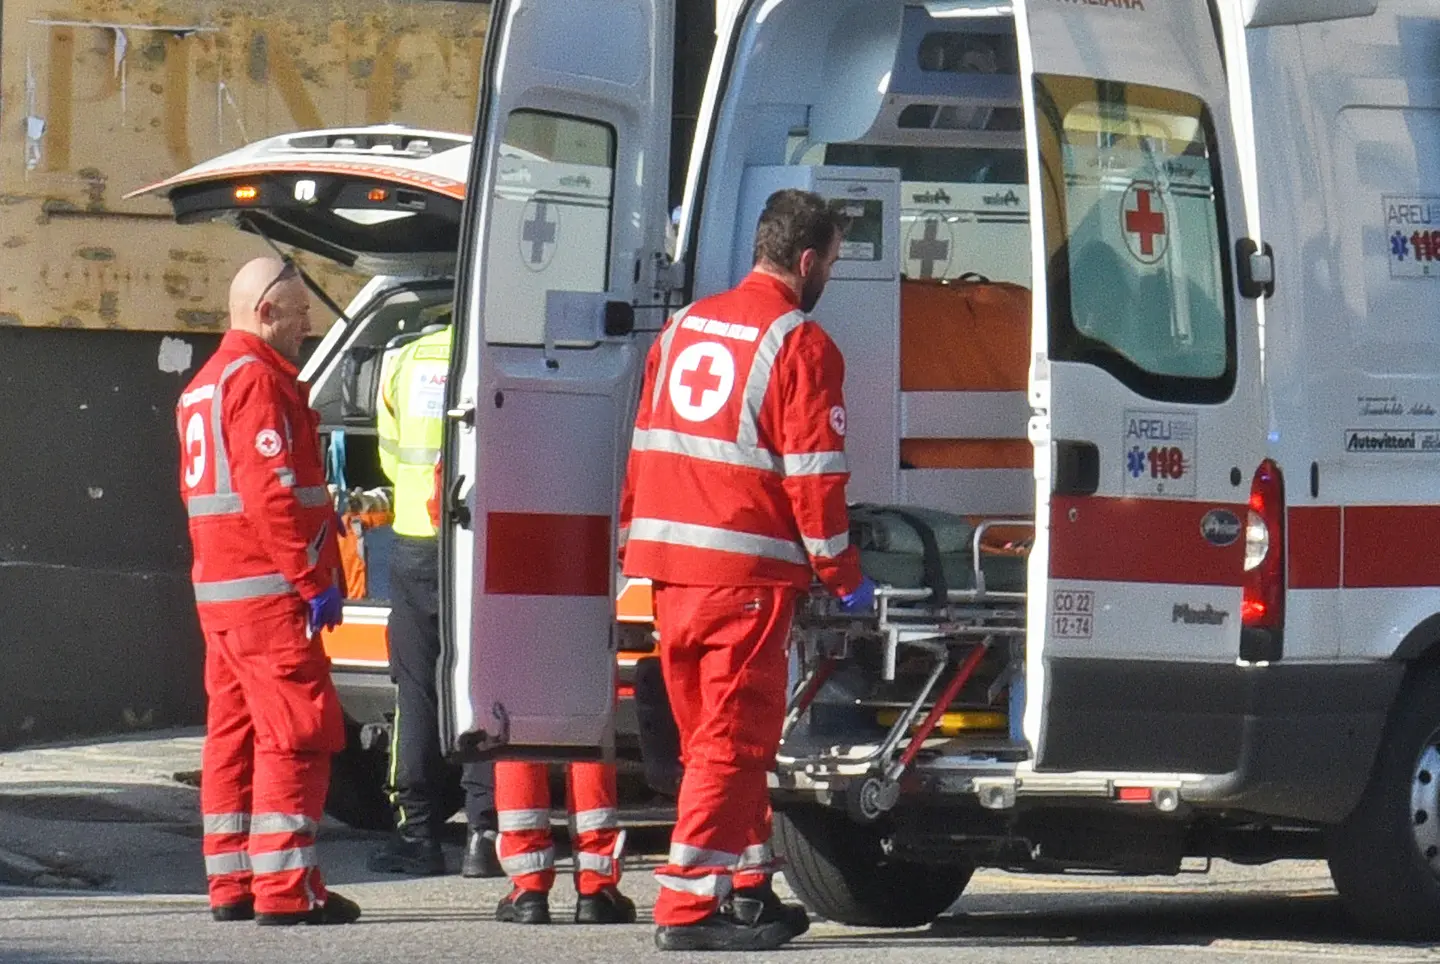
point(839, 870)
point(1385, 857)
point(357, 784)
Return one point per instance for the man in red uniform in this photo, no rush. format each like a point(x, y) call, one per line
point(266, 578)
point(527, 854)
point(734, 500)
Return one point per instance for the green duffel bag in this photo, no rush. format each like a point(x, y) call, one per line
point(912, 548)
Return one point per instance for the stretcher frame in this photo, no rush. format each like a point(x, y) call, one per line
point(962, 628)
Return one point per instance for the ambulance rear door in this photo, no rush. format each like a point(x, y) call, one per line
point(1145, 378)
point(558, 295)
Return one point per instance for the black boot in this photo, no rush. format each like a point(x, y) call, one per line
point(419, 856)
point(480, 857)
point(761, 905)
point(609, 906)
point(524, 907)
point(335, 910)
point(723, 931)
point(244, 910)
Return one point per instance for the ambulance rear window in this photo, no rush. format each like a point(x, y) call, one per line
point(1135, 236)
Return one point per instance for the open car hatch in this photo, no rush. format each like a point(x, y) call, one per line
point(381, 200)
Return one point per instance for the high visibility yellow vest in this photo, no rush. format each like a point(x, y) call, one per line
point(410, 422)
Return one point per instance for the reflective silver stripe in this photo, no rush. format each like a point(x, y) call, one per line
point(312, 548)
point(388, 445)
point(711, 885)
point(233, 590)
point(827, 548)
point(232, 863)
point(531, 863)
point(313, 496)
point(512, 820)
point(225, 822)
point(722, 540)
point(601, 818)
point(667, 338)
point(595, 863)
point(280, 861)
point(756, 857)
point(414, 455)
point(623, 536)
point(201, 506)
point(684, 855)
point(286, 477)
point(709, 449)
point(217, 407)
point(282, 823)
point(758, 382)
point(815, 463)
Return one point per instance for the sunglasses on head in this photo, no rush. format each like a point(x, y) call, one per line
point(289, 270)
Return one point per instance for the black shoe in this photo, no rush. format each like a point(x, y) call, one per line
point(480, 857)
point(420, 857)
point(225, 913)
point(607, 907)
point(335, 910)
point(761, 905)
point(524, 907)
point(723, 931)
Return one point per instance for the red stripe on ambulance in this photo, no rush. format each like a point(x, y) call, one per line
point(1391, 547)
point(1314, 541)
point(539, 554)
point(1104, 539)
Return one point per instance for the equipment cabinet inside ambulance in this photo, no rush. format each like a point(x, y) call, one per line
point(383, 201)
point(1050, 302)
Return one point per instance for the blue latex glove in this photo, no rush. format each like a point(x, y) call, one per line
point(862, 599)
point(326, 610)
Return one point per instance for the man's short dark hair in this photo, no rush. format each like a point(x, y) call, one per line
point(792, 222)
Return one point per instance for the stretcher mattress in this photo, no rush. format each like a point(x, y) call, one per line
point(912, 548)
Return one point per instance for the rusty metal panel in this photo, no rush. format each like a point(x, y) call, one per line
point(103, 96)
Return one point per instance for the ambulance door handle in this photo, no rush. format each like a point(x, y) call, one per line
point(1077, 468)
point(465, 415)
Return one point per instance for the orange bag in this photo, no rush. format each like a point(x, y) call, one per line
point(352, 547)
point(969, 335)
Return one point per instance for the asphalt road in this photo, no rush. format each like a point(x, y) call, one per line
point(101, 850)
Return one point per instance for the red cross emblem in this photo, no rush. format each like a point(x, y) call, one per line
point(701, 381)
point(1147, 232)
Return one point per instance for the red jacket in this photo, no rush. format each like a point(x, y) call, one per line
point(253, 482)
point(737, 467)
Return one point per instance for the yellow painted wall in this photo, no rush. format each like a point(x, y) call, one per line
point(104, 96)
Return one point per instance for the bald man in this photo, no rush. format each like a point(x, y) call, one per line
point(267, 577)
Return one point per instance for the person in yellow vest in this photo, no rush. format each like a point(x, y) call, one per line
point(410, 422)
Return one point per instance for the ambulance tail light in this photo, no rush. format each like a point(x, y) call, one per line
point(1262, 608)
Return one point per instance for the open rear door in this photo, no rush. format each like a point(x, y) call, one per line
point(561, 254)
point(1145, 381)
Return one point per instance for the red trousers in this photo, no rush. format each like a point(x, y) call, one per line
point(723, 650)
point(272, 724)
point(522, 809)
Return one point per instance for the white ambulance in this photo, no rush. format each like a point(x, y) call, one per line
point(1214, 449)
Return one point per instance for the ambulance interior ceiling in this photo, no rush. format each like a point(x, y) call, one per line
point(937, 367)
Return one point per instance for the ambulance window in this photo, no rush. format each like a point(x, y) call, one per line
point(550, 227)
point(1135, 237)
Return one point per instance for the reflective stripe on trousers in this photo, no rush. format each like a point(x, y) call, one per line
point(529, 863)
point(235, 862)
point(283, 861)
point(514, 820)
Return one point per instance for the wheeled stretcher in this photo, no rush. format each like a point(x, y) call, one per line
point(930, 668)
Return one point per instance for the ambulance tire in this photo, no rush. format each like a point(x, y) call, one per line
point(357, 796)
point(1385, 879)
point(839, 871)
point(357, 784)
